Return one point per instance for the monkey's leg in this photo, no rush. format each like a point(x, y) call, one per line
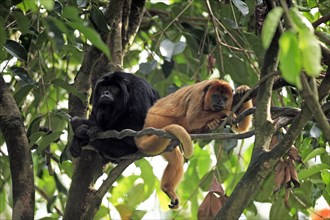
point(172, 175)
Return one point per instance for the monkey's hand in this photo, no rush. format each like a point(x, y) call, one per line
point(231, 119)
point(81, 131)
point(92, 132)
point(214, 124)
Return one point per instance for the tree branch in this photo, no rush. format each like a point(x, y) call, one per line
point(20, 158)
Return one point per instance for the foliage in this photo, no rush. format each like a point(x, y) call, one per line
point(42, 47)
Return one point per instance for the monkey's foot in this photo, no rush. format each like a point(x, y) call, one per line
point(174, 198)
point(213, 124)
point(232, 120)
point(174, 204)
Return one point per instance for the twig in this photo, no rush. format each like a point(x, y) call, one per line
point(311, 100)
point(45, 196)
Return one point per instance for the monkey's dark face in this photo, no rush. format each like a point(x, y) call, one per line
point(108, 95)
point(219, 101)
point(111, 97)
point(218, 96)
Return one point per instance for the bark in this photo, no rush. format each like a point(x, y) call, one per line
point(21, 166)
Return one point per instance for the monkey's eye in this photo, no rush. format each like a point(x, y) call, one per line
point(114, 90)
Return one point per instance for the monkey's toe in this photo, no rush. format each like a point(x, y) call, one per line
point(174, 204)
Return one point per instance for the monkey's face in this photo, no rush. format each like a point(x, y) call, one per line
point(108, 95)
point(218, 96)
point(110, 92)
point(219, 101)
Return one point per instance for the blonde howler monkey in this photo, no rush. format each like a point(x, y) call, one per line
point(197, 108)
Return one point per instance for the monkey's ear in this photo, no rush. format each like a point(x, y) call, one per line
point(207, 88)
point(126, 81)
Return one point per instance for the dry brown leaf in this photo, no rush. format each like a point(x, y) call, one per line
point(210, 206)
point(287, 175)
point(216, 187)
point(286, 197)
point(293, 173)
point(213, 201)
point(294, 154)
point(279, 175)
point(210, 62)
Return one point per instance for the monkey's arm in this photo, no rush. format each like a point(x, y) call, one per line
point(246, 123)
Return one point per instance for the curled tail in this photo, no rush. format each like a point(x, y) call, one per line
point(153, 145)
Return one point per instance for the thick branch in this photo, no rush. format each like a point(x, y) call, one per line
point(21, 166)
point(87, 170)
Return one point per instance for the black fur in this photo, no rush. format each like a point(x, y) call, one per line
point(125, 106)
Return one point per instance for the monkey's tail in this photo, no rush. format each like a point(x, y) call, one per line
point(153, 145)
point(183, 137)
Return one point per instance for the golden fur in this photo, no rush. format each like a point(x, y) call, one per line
point(196, 108)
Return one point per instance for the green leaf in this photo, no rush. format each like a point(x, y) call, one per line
point(279, 211)
point(71, 13)
point(30, 5)
point(98, 19)
point(241, 6)
point(21, 94)
point(81, 3)
point(290, 62)
point(315, 131)
point(326, 195)
point(301, 23)
point(70, 88)
point(34, 126)
point(34, 137)
point(124, 186)
point(270, 25)
point(148, 176)
point(325, 174)
point(146, 68)
point(16, 50)
point(23, 74)
point(314, 153)
point(312, 170)
point(47, 139)
point(311, 53)
point(59, 185)
point(2, 200)
point(3, 33)
point(166, 49)
point(91, 35)
point(51, 203)
point(22, 21)
point(203, 162)
point(136, 195)
point(48, 4)
point(179, 47)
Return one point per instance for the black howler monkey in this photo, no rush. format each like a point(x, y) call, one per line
point(120, 101)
